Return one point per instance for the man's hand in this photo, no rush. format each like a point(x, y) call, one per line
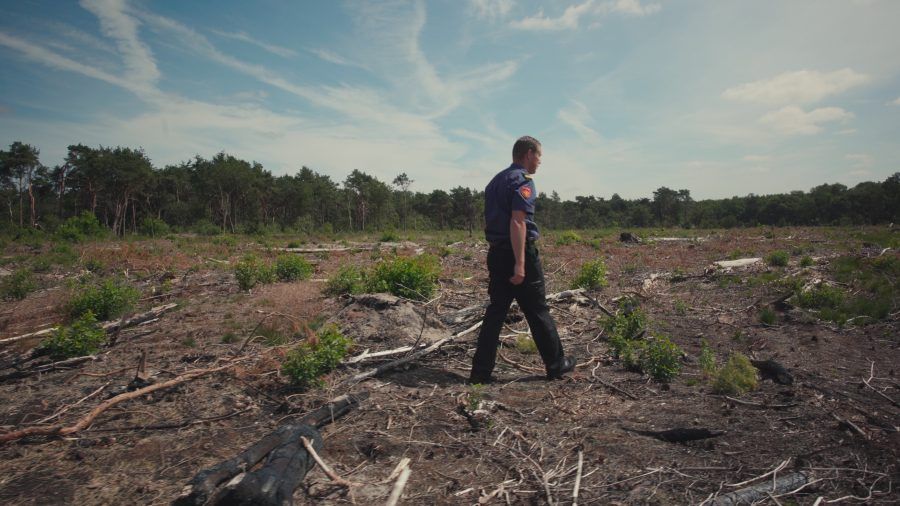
point(518, 275)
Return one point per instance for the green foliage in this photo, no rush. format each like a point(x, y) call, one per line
point(736, 377)
point(310, 360)
point(476, 395)
point(230, 337)
point(525, 344)
point(806, 261)
point(661, 358)
point(17, 285)
point(767, 316)
point(271, 336)
point(568, 237)
point(107, 299)
point(349, 279)
point(81, 227)
point(592, 275)
point(409, 277)
point(777, 258)
point(93, 265)
point(153, 227)
point(820, 297)
point(681, 307)
point(206, 227)
point(252, 271)
point(707, 360)
point(83, 337)
point(626, 324)
point(389, 235)
point(739, 253)
point(292, 267)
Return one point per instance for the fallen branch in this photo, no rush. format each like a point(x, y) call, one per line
point(52, 366)
point(398, 487)
point(868, 384)
point(610, 385)
point(84, 422)
point(408, 358)
point(759, 491)
point(328, 471)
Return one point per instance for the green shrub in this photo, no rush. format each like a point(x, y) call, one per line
point(308, 361)
point(17, 285)
point(592, 275)
point(108, 299)
point(777, 258)
point(271, 336)
point(206, 227)
point(83, 337)
point(525, 344)
point(252, 271)
point(81, 227)
point(40, 264)
point(736, 377)
point(767, 316)
point(94, 265)
point(409, 277)
point(153, 227)
point(820, 297)
point(389, 235)
point(806, 261)
point(568, 237)
point(349, 279)
point(292, 268)
point(707, 360)
point(626, 324)
point(661, 358)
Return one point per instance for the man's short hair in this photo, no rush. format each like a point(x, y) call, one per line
point(523, 145)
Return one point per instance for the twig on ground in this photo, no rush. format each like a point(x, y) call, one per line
point(328, 471)
point(577, 479)
point(398, 487)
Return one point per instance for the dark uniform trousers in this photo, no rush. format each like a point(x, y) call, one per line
point(530, 295)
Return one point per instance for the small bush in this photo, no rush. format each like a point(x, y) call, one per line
point(777, 258)
point(81, 227)
point(271, 336)
point(93, 265)
point(409, 277)
point(661, 358)
point(626, 324)
point(707, 360)
point(206, 227)
point(767, 316)
point(83, 337)
point(154, 227)
point(806, 261)
point(592, 275)
point(525, 344)
point(820, 297)
point(17, 285)
point(308, 361)
point(349, 279)
point(568, 237)
point(230, 337)
point(736, 377)
point(389, 235)
point(252, 271)
point(292, 268)
point(108, 299)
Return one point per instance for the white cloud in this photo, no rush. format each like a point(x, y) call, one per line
point(792, 120)
point(121, 27)
point(631, 7)
point(332, 57)
point(800, 87)
point(757, 158)
point(577, 116)
point(860, 160)
point(491, 9)
point(244, 37)
point(567, 21)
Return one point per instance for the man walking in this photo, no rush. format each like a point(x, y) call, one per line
point(514, 265)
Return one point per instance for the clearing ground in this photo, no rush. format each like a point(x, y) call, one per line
point(520, 440)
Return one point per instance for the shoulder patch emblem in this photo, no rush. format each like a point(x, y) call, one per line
point(525, 191)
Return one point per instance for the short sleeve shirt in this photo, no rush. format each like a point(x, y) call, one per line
point(510, 190)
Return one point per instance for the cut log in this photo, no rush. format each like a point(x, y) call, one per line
point(754, 493)
point(285, 439)
point(629, 237)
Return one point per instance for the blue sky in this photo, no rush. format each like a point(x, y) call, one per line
point(720, 97)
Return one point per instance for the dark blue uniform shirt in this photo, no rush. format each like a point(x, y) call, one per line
point(510, 190)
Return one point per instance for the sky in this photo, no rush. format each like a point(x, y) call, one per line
point(722, 98)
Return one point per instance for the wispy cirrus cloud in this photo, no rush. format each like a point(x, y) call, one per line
point(332, 57)
point(118, 25)
point(491, 9)
point(568, 20)
point(577, 116)
point(793, 120)
point(245, 37)
point(896, 102)
point(800, 87)
point(571, 17)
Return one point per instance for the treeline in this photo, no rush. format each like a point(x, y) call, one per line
point(123, 189)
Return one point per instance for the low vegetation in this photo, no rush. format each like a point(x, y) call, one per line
point(83, 337)
point(592, 275)
point(17, 285)
point(306, 363)
point(777, 258)
point(655, 355)
point(413, 278)
point(105, 299)
point(736, 377)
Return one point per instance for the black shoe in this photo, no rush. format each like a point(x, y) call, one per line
point(567, 364)
point(477, 379)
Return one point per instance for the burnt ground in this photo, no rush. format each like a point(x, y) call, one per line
point(524, 441)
